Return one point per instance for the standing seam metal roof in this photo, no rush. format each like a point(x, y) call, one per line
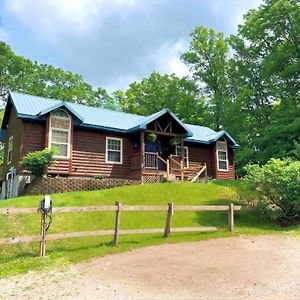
point(32, 107)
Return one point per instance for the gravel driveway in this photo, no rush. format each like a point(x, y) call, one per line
point(261, 267)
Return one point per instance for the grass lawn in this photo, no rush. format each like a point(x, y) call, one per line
point(20, 258)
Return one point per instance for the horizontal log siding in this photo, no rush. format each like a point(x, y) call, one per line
point(202, 154)
point(88, 159)
point(14, 129)
point(33, 137)
point(231, 172)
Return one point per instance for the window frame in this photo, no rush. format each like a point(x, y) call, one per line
point(121, 151)
point(10, 149)
point(60, 129)
point(226, 153)
point(187, 154)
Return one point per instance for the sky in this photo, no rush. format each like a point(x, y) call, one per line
point(114, 42)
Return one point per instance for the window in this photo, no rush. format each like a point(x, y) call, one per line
point(186, 155)
point(59, 132)
point(114, 150)
point(222, 155)
point(9, 149)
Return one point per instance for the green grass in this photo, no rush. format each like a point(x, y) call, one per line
point(20, 258)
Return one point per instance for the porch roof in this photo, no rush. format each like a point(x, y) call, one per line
point(34, 108)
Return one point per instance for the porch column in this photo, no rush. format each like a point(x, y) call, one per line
point(182, 150)
point(142, 142)
point(182, 157)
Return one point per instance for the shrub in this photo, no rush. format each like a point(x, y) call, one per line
point(99, 177)
point(37, 162)
point(278, 186)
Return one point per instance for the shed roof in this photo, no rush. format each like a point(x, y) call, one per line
point(33, 107)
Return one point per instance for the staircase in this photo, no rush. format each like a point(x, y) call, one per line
point(195, 171)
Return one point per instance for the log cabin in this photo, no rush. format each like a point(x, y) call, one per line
point(96, 141)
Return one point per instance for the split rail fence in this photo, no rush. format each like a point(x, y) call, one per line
point(116, 232)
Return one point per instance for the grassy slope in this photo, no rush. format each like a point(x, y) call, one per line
point(20, 258)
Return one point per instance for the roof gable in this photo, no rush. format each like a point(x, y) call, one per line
point(61, 105)
point(142, 124)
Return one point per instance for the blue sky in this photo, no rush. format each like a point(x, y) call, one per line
point(113, 42)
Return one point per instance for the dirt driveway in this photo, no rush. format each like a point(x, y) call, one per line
point(262, 267)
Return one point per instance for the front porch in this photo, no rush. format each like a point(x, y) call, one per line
point(163, 160)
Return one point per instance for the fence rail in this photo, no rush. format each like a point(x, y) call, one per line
point(118, 208)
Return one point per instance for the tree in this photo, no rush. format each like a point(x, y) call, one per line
point(158, 91)
point(207, 59)
point(266, 63)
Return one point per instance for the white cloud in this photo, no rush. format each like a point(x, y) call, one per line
point(244, 6)
point(234, 9)
point(120, 83)
point(54, 16)
point(167, 58)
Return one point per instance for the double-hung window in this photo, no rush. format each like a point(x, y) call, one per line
point(222, 155)
point(114, 150)
point(9, 149)
point(59, 132)
point(186, 155)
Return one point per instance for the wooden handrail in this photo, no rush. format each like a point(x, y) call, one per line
point(199, 173)
point(159, 157)
point(174, 160)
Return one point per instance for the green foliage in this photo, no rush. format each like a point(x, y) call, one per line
point(158, 91)
point(38, 161)
point(265, 72)
point(278, 184)
point(175, 141)
point(207, 59)
point(151, 137)
point(99, 176)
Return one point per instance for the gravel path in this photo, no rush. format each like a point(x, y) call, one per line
point(261, 267)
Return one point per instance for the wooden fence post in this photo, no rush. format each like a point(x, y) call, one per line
point(169, 219)
point(117, 224)
point(43, 234)
point(230, 217)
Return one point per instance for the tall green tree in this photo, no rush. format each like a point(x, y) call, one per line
point(207, 59)
point(267, 63)
point(158, 91)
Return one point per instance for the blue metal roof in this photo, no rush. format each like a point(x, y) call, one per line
point(33, 107)
point(205, 135)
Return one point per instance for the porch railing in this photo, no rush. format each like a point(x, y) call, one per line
point(151, 160)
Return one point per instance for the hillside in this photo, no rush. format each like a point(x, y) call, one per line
point(23, 257)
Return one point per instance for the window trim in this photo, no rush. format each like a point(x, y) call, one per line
point(10, 149)
point(69, 130)
point(217, 157)
point(121, 151)
point(187, 155)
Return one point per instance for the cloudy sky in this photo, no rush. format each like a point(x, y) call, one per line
point(113, 42)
